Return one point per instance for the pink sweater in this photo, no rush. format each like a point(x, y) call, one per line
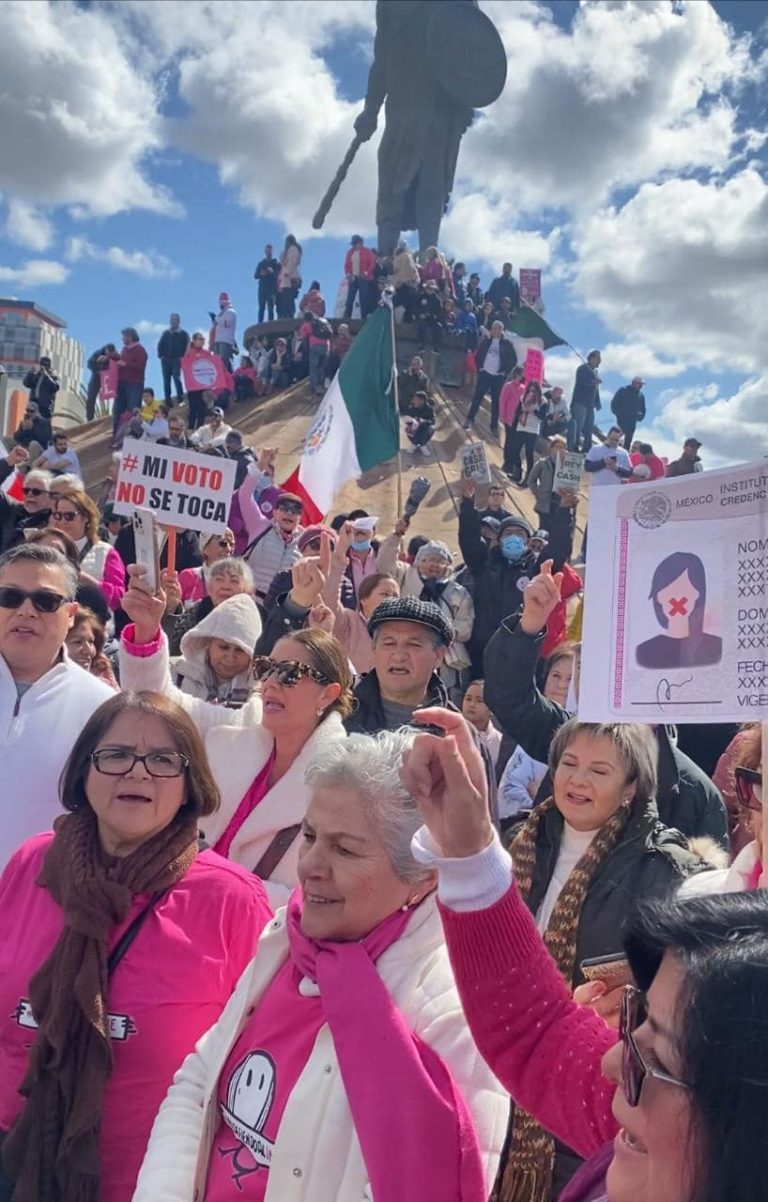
point(509, 401)
point(171, 986)
point(544, 1048)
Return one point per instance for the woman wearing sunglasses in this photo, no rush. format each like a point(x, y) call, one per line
point(76, 515)
point(258, 753)
point(747, 867)
point(106, 924)
point(682, 1096)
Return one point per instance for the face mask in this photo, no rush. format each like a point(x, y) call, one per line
point(264, 481)
point(361, 545)
point(513, 547)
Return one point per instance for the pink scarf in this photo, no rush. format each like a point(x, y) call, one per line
point(753, 881)
point(416, 1133)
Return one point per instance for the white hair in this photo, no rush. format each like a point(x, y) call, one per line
point(69, 481)
point(232, 566)
point(39, 473)
point(370, 765)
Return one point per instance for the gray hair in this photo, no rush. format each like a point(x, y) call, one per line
point(370, 765)
point(69, 481)
point(435, 547)
point(635, 746)
point(46, 557)
point(231, 566)
point(39, 473)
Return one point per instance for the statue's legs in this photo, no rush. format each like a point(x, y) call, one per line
point(389, 236)
point(430, 205)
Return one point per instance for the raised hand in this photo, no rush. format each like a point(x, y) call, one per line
point(468, 487)
point(343, 541)
point(540, 598)
point(172, 589)
point(308, 582)
point(321, 618)
point(17, 455)
point(143, 607)
point(446, 777)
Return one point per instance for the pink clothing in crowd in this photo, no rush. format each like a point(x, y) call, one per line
point(551, 1066)
point(273, 1049)
point(361, 261)
point(656, 465)
point(305, 331)
point(112, 582)
point(192, 585)
point(509, 401)
point(349, 625)
point(255, 793)
point(169, 988)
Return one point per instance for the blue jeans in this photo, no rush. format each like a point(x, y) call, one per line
point(581, 427)
point(224, 350)
point(318, 357)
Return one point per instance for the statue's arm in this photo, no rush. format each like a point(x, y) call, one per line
point(365, 125)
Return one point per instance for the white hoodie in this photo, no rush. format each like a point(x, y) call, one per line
point(236, 621)
point(37, 733)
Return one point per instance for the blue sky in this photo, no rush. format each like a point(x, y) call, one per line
point(626, 158)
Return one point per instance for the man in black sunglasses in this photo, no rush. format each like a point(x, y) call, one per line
point(34, 431)
point(45, 698)
point(29, 514)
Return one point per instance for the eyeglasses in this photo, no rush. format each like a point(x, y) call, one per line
point(118, 761)
point(224, 543)
point(290, 506)
point(44, 601)
point(66, 515)
point(634, 1068)
point(313, 545)
point(749, 786)
point(286, 671)
point(35, 492)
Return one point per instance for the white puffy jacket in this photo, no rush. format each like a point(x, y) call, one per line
point(317, 1156)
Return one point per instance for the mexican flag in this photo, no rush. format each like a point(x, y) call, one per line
point(357, 424)
point(528, 329)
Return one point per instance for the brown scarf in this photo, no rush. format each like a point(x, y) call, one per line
point(52, 1151)
point(525, 1175)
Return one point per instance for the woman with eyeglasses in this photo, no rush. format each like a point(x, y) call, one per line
point(746, 869)
point(342, 1070)
point(76, 515)
point(31, 513)
point(120, 945)
point(675, 1109)
point(257, 753)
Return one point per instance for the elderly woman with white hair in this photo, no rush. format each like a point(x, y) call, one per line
point(227, 577)
point(429, 578)
point(342, 1068)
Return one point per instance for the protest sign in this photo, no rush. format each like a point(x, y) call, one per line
point(676, 603)
point(108, 382)
point(201, 370)
point(474, 462)
point(568, 472)
point(530, 284)
point(183, 489)
point(534, 365)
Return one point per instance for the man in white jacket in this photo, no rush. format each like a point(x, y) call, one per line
point(45, 698)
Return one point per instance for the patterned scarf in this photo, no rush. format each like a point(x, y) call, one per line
point(52, 1151)
point(525, 1175)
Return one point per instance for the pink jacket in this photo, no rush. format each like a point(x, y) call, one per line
point(349, 627)
point(170, 987)
point(543, 1047)
point(509, 401)
point(105, 565)
point(192, 584)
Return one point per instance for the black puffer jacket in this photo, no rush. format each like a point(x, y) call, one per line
point(686, 798)
point(494, 580)
point(368, 717)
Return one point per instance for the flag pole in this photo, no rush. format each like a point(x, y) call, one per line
point(391, 307)
point(570, 345)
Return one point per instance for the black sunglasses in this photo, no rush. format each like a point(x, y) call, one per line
point(34, 492)
point(749, 786)
point(285, 671)
point(290, 506)
point(45, 602)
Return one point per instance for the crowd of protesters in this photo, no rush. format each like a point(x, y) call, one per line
point(315, 886)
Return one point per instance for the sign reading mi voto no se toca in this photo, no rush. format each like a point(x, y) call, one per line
point(184, 489)
point(676, 600)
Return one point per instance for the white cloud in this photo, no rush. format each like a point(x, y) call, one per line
point(732, 429)
point(28, 226)
point(631, 359)
point(150, 327)
point(35, 273)
point(146, 263)
point(488, 234)
point(681, 268)
point(79, 119)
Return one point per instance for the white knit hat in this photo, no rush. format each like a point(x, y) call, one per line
point(236, 620)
